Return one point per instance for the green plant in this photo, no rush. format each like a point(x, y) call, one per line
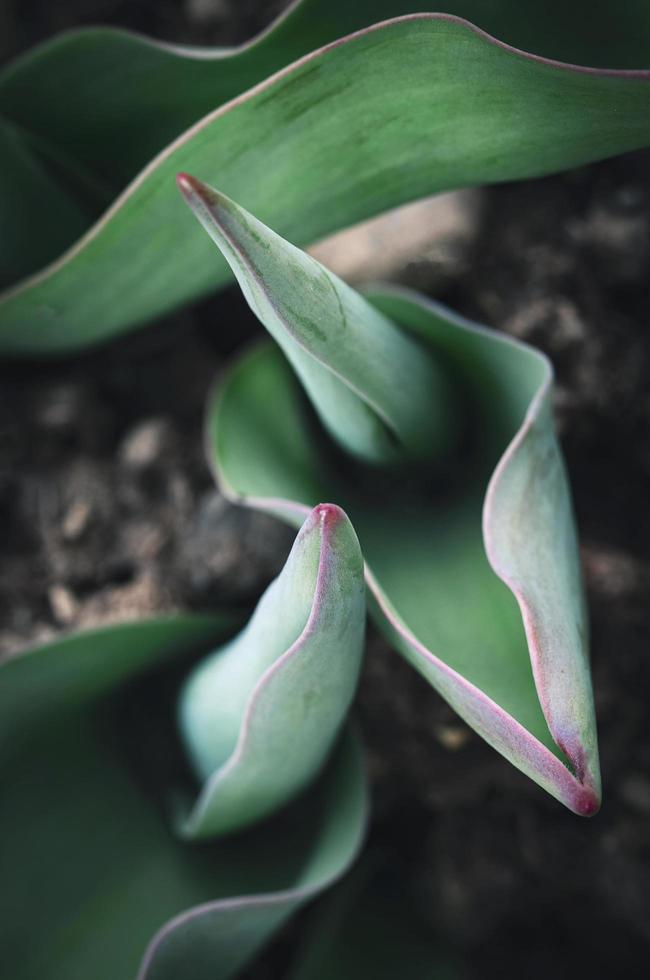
point(461, 108)
point(471, 549)
point(435, 434)
point(90, 869)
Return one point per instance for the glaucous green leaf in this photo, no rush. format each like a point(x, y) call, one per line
point(472, 561)
point(395, 111)
point(271, 871)
point(260, 715)
point(94, 884)
point(367, 380)
point(79, 667)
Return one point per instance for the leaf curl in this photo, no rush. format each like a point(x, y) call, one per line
point(376, 390)
point(475, 575)
point(320, 144)
point(260, 716)
point(94, 884)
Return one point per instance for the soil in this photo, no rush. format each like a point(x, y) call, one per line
point(110, 513)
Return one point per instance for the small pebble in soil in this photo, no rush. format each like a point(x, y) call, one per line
point(63, 603)
point(145, 443)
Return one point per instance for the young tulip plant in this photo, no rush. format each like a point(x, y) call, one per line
point(102, 872)
point(437, 436)
point(166, 811)
point(339, 111)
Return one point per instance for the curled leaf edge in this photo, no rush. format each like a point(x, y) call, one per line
point(292, 897)
point(42, 275)
point(580, 795)
point(328, 516)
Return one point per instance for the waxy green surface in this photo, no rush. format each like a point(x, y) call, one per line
point(94, 881)
point(396, 111)
point(472, 559)
point(260, 716)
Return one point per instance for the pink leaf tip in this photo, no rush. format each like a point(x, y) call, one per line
point(587, 804)
point(191, 187)
point(328, 515)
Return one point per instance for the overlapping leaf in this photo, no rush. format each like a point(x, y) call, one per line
point(260, 716)
point(399, 406)
point(273, 871)
point(369, 930)
point(91, 774)
point(472, 561)
point(396, 111)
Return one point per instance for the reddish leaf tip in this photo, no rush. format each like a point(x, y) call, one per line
point(191, 187)
point(587, 803)
point(586, 799)
point(185, 182)
point(328, 515)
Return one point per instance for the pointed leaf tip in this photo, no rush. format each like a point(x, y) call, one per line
point(235, 100)
point(417, 556)
point(588, 804)
point(293, 669)
point(190, 187)
point(328, 515)
point(379, 394)
point(586, 796)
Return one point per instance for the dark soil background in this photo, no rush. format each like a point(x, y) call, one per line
point(110, 512)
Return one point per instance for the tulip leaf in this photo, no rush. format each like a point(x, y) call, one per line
point(369, 382)
point(62, 674)
point(260, 715)
point(94, 883)
point(398, 110)
point(272, 871)
point(473, 565)
point(30, 190)
point(368, 929)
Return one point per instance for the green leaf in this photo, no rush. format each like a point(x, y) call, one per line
point(31, 191)
point(397, 111)
point(260, 716)
point(473, 566)
point(271, 872)
point(91, 875)
point(373, 389)
point(368, 929)
point(68, 672)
